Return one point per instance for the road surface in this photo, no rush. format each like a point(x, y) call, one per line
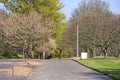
point(66, 70)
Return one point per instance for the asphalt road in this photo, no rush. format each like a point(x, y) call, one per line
point(66, 70)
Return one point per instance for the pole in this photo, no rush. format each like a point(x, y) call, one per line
point(77, 41)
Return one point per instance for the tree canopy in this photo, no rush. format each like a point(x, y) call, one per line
point(98, 29)
point(49, 9)
point(52, 18)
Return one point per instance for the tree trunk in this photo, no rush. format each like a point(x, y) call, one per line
point(31, 51)
point(32, 54)
point(94, 53)
point(43, 55)
point(59, 56)
point(105, 54)
point(101, 55)
point(104, 50)
point(23, 53)
point(88, 52)
point(39, 56)
point(119, 55)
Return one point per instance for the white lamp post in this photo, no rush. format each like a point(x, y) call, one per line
point(77, 41)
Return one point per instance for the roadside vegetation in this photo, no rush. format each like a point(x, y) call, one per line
point(37, 29)
point(99, 30)
point(109, 66)
point(33, 28)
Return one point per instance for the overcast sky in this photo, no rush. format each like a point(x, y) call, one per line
point(70, 5)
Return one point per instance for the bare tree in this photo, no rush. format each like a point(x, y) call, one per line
point(2, 19)
point(47, 48)
point(69, 39)
point(97, 27)
point(26, 32)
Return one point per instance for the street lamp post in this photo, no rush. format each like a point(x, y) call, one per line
point(77, 41)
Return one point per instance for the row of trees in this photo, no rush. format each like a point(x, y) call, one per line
point(36, 26)
point(33, 26)
point(48, 9)
point(99, 30)
point(26, 34)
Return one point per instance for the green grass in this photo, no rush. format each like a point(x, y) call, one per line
point(109, 66)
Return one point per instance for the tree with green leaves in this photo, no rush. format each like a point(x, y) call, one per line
point(48, 8)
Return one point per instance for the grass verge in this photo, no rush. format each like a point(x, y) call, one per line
point(110, 67)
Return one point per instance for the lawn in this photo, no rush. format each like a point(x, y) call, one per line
point(109, 66)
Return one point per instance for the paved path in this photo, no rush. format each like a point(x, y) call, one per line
point(66, 70)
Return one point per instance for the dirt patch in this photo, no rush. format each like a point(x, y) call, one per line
point(35, 63)
point(5, 62)
point(22, 71)
point(30, 62)
point(6, 72)
point(14, 63)
point(20, 63)
point(19, 68)
point(17, 71)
